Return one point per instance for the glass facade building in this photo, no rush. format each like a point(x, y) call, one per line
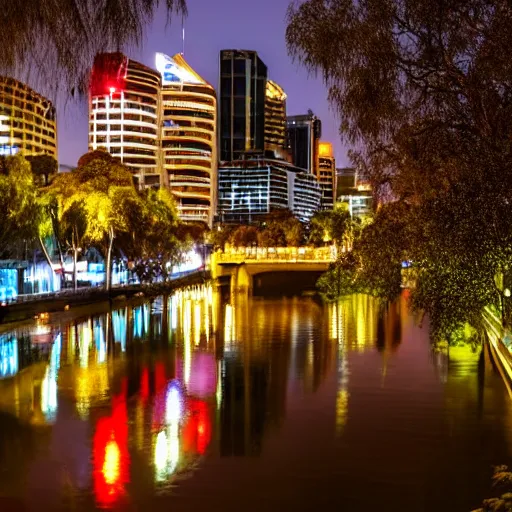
point(188, 138)
point(124, 115)
point(326, 174)
point(243, 79)
point(275, 120)
point(303, 134)
point(251, 188)
point(27, 120)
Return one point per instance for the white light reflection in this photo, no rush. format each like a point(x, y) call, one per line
point(228, 327)
point(167, 445)
point(84, 341)
point(197, 323)
point(173, 311)
point(49, 384)
point(221, 372)
point(173, 403)
point(101, 344)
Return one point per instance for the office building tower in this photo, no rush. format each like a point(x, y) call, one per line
point(326, 174)
point(250, 189)
point(188, 138)
point(27, 120)
point(354, 191)
point(124, 115)
point(275, 121)
point(243, 78)
point(346, 178)
point(304, 134)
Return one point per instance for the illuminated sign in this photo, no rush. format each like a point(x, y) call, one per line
point(173, 73)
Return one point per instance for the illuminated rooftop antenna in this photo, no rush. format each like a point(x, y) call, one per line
point(183, 35)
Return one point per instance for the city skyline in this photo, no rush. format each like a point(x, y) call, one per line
point(203, 42)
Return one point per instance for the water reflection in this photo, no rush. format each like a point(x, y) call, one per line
point(134, 398)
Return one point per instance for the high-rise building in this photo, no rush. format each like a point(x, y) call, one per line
point(124, 115)
point(326, 174)
point(188, 138)
point(243, 78)
point(27, 120)
point(346, 178)
point(161, 124)
point(275, 120)
point(304, 133)
point(354, 191)
point(251, 188)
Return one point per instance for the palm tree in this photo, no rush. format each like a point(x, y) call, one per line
point(60, 38)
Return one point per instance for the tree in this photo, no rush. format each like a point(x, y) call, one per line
point(21, 210)
point(502, 480)
point(93, 201)
point(244, 236)
point(219, 236)
point(44, 167)
point(153, 242)
point(330, 226)
point(279, 229)
point(424, 88)
point(58, 39)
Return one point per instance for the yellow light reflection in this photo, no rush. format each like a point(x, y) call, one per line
point(218, 391)
point(341, 409)
point(228, 326)
point(187, 355)
point(84, 342)
point(197, 323)
point(111, 465)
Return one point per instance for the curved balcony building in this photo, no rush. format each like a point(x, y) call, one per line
point(188, 138)
point(124, 115)
point(27, 120)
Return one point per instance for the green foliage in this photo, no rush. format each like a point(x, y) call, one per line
point(58, 39)
point(279, 229)
point(19, 204)
point(152, 240)
point(423, 88)
point(330, 226)
point(244, 236)
point(219, 236)
point(502, 481)
point(374, 265)
point(44, 167)
point(341, 278)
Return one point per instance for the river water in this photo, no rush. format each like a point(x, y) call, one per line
point(199, 401)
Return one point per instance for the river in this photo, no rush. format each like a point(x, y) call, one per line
point(199, 401)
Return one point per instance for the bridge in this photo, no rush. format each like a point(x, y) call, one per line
point(245, 266)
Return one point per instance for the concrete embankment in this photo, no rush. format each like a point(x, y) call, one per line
point(61, 301)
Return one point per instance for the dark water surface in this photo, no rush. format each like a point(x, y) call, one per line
point(197, 403)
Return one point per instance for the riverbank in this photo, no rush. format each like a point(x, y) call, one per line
point(62, 301)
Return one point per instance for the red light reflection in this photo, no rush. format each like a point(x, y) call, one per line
point(197, 430)
point(111, 459)
point(144, 384)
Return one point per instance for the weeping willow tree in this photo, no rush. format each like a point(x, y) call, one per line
point(423, 89)
point(59, 38)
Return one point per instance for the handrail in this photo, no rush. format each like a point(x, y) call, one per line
point(277, 254)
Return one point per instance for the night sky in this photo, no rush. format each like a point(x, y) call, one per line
point(211, 26)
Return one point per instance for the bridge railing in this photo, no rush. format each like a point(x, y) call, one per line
point(276, 254)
